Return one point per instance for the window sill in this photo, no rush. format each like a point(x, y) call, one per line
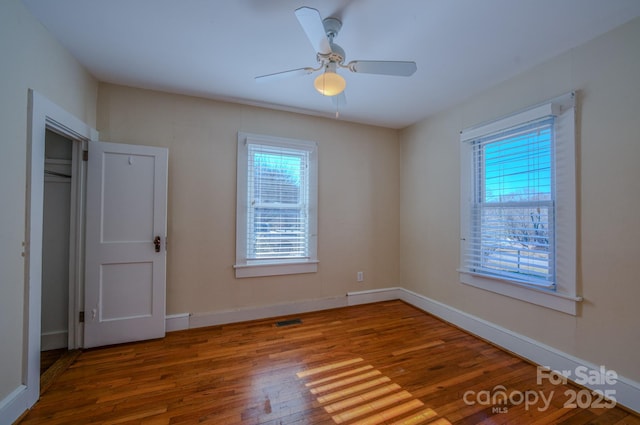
point(275, 269)
point(554, 300)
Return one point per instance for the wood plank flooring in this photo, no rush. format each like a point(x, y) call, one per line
point(383, 363)
point(49, 357)
point(57, 366)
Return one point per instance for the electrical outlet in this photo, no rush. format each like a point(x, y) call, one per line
point(360, 276)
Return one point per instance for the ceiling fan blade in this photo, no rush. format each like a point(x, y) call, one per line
point(399, 68)
point(311, 23)
point(284, 74)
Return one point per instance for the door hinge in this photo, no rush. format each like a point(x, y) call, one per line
point(81, 317)
point(85, 155)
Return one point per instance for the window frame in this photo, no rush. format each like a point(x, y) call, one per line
point(511, 144)
point(245, 267)
point(562, 296)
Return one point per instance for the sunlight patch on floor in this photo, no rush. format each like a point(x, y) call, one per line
point(353, 392)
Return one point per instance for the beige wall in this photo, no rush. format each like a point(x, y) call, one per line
point(606, 71)
point(358, 197)
point(30, 59)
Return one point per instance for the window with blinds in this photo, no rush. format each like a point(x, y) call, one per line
point(518, 232)
point(276, 225)
point(512, 212)
point(277, 220)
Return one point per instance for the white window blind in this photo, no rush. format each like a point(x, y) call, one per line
point(513, 208)
point(277, 213)
point(277, 220)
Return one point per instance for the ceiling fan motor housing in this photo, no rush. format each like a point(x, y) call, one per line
point(332, 27)
point(336, 55)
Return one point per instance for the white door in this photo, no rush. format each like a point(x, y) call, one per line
point(126, 221)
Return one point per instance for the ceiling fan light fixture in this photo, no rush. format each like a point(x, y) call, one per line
point(330, 83)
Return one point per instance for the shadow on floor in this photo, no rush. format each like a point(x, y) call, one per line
point(53, 363)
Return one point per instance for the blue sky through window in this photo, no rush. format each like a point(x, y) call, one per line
point(289, 166)
point(277, 177)
point(518, 168)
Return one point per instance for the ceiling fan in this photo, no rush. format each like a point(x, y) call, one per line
point(330, 57)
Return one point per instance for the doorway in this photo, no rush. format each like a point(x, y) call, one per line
point(44, 117)
point(59, 283)
point(117, 274)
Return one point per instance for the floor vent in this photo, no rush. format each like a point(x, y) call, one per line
point(289, 322)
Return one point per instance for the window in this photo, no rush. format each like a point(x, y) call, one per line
point(513, 205)
point(276, 228)
point(518, 206)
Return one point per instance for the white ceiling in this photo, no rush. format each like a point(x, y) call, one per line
point(215, 48)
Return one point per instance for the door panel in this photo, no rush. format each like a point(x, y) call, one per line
point(128, 180)
point(126, 290)
point(126, 211)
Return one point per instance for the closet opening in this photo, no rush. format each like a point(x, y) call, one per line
point(61, 255)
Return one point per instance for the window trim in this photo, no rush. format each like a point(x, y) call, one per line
point(273, 267)
point(564, 296)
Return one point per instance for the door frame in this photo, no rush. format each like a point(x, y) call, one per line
point(42, 115)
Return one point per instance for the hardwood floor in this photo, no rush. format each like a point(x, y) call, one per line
point(49, 357)
point(372, 364)
point(57, 366)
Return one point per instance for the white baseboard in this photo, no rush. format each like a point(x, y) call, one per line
point(54, 340)
point(176, 322)
point(13, 405)
point(627, 391)
point(198, 320)
point(373, 296)
point(182, 321)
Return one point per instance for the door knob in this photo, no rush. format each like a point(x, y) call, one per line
point(156, 242)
